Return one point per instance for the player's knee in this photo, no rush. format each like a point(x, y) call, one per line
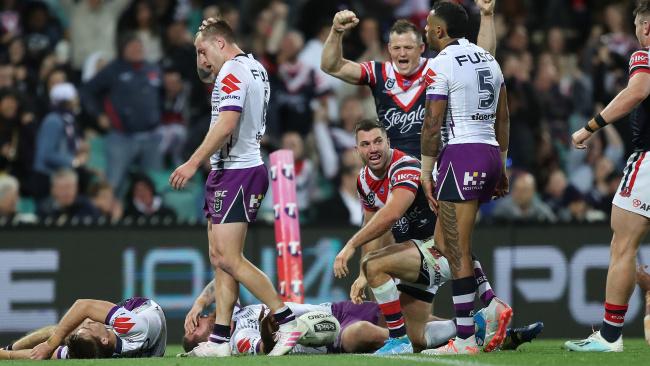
point(373, 267)
point(362, 337)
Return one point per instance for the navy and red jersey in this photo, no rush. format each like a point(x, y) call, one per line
point(640, 117)
point(399, 101)
point(403, 173)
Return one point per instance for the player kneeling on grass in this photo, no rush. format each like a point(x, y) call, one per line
point(396, 211)
point(135, 327)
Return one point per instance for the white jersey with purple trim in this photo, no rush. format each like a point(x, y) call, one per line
point(470, 79)
point(241, 86)
point(246, 336)
point(141, 331)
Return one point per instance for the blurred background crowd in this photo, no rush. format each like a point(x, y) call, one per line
point(99, 101)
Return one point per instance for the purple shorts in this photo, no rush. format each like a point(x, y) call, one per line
point(235, 195)
point(348, 313)
point(468, 172)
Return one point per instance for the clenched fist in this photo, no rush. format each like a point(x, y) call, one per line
point(486, 6)
point(344, 20)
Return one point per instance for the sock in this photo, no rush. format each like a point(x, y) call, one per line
point(438, 332)
point(463, 294)
point(613, 322)
point(484, 289)
point(284, 315)
point(220, 334)
point(388, 300)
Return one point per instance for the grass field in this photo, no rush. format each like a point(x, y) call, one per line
point(543, 353)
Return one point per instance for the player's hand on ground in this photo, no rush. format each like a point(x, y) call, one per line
point(42, 351)
point(358, 289)
point(207, 22)
point(182, 175)
point(579, 138)
point(192, 319)
point(427, 187)
point(503, 187)
point(643, 277)
point(344, 20)
point(486, 6)
point(341, 261)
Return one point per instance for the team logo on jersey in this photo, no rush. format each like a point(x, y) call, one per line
point(626, 192)
point(230, 84)
point(218, 200)
point(122, 325)
point(255, 201)
point(390, 83)
point(291, 209)
point(473, 179)
point(370, 197)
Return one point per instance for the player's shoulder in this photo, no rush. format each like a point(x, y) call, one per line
point(236, 66)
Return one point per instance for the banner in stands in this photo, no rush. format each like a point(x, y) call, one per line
point(552, 275)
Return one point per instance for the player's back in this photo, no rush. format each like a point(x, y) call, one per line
point(470, 79)
point(241, 86)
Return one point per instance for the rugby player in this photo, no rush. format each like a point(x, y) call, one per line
point(135, 327)
point(397, 85)
point(396, 211)
point(631, 204)
point(466, 112)
point(237, 183)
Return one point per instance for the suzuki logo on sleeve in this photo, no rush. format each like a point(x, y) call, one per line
point(230, 84)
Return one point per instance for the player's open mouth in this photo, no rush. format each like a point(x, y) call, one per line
point(403, 62)
point(374, 157)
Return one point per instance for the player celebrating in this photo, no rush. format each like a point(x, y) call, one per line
point(466, 99)
point(394, 203)
point(136, 327)
point(397, 86)
point(631, 204)
point(237, 183)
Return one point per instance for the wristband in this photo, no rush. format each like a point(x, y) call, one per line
point(428, 163)
point(589, 129)
point(600, 121)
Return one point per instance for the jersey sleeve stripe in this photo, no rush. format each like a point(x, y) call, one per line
point(437, 97)
point(110, 314)
point(639, 69)
point(231, 108)
point(363, 78)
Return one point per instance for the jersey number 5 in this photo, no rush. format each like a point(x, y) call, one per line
point(486, 91)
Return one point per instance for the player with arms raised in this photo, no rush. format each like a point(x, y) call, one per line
point(237, 183)
point(466, 112)
point(631, 204)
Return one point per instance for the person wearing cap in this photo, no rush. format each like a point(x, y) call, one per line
point(58, 144)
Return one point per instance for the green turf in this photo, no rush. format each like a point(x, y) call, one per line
point(543, 352)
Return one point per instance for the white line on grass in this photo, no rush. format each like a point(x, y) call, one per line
point(436, 360)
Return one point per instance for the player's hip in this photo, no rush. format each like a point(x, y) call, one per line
point(633, 193)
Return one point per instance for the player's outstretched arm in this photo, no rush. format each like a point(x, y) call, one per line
point(205, 299)
point(636, 91)
point(380, 223)
point(332, 61)
point(487, 35)
point(96, 310)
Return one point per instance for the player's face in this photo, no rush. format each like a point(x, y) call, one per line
point(209, 51)
point(433, 29)
point(405, 50)
point(373, 149)
point(642, 29)
point(90, 328)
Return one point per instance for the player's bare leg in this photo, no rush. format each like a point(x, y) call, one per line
point(363, 337)
point(629, 228)
point(32, 339)
point(15, 355)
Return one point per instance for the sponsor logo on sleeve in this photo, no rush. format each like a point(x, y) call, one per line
point(230, 84)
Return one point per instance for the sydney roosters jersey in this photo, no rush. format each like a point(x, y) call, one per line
point(399, 101)
point(403, 173)
point(140, 327)
point(640, 117)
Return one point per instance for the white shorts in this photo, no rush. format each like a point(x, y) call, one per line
point(633, 193)
point(434, 272)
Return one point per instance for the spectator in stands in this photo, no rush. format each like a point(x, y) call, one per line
point(103, 198)
point(140, 19)
point(175, 116)
point(58, 143)
point(42, 31)
point(143, 201)
point(65, 202)
point(125, 99)
point(17, 57)
point(344, 207)
point(9, 197)
point(578, 210)
point(306, 173)
point(17, 136)
point(523, 204)
point(93, 25)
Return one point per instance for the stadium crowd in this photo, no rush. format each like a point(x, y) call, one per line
point(99, 100)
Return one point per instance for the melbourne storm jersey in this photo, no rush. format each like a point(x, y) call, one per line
point(470, 79)
point(140, 327)
point(242, 86)
point(640, 117)
point(403, 173)
point(399, 100)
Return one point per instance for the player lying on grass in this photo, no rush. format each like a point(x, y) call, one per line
point(643, 280)
point(135, 327)
point(362, 327)
point(396, 211)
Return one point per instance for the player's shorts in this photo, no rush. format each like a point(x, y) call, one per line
point(348, 313)
point(468, 172)
point(434, 272)
point(235, 195)
point(633, 193)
